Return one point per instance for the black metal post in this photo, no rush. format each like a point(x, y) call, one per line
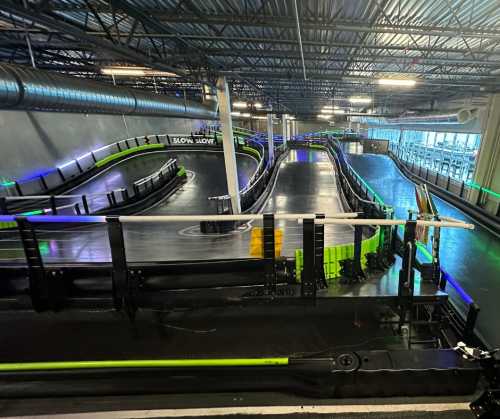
point(61, 174)
point(43, 182)
point(77, 209)
point(118, 146)
point(136, 141)
point(85, 204)
point(3, 206)
point(18, 188)
point(319, 252)
point(308, 282)
point(448, 183)
point(462, 187)
point(38, 285)
point(158, 139)
point(268, 244)
point(358, 238)
point(470, 322)
point(53, 205)
point(78, 166)
point(121, 295)
point(93, 156)
point(407, 272)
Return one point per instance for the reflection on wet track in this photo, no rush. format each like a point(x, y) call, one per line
point(471, 257)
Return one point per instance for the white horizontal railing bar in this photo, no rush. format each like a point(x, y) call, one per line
point(228, 217)
point(382, 222)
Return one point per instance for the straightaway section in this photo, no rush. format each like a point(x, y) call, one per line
point(471, 257)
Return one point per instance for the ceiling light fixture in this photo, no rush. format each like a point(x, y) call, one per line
point(397, 82)
point(323, 116)
point(240, 105)
point(257, 105)
point(360, 100)
point(135, 72)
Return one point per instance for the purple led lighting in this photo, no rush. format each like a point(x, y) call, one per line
point(449, 279)
point(66, 219)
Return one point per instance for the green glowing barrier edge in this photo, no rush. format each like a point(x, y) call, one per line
point(124, 153)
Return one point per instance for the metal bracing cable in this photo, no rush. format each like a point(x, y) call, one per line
point(300, 38)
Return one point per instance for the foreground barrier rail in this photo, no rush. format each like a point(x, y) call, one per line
point(48, 287)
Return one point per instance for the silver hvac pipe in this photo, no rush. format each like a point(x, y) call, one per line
point(460, 116)
point(30, 89)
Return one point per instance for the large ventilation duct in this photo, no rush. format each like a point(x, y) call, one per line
point(460, 116)
point(30, 89)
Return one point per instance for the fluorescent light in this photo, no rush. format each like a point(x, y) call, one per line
point(235, 113)
point(257, 105)
point(360, 100)
point(397, 82)
point(259, 117)
point(323, 116)
point(339, 112)
point(245, 115)
point(291, 117)
point(135, 72)
point(240, 105)
point(330, 107)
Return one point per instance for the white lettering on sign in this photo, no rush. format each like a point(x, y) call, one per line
point(190, 140)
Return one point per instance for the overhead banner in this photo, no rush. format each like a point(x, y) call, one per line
point(192, 140)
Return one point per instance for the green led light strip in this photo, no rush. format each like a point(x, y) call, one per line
point(149, 363)
point(124, 153)
point(478, 187)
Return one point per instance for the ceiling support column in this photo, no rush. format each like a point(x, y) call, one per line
point(228, 144)
point(284, 121)
point(270, 140)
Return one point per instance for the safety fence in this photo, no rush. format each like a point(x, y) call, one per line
point(461, 189)
point(22, 200)
point(131, 285)
point(91, 203)
point(55, 178)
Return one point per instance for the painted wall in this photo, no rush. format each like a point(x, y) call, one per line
point(32, 142)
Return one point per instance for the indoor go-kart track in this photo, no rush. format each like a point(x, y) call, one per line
point(305, 184)
point(472, 257)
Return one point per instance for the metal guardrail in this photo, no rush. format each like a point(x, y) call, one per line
point(89, 203)
point(458, 188)
point(255, 186)
point(63, 173)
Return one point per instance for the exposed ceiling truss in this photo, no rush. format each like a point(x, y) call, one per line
point(451, 47)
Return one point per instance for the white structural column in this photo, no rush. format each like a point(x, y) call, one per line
point(487, 172)
point(284, 130)
point(228, 143)
point(270, 140)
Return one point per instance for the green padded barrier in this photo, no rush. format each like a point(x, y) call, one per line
point(7, 224)
point(321, 147)
point(334, 254)
point(124, 153)
point(252, 151)
point(140, 363)
point(181, 171)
